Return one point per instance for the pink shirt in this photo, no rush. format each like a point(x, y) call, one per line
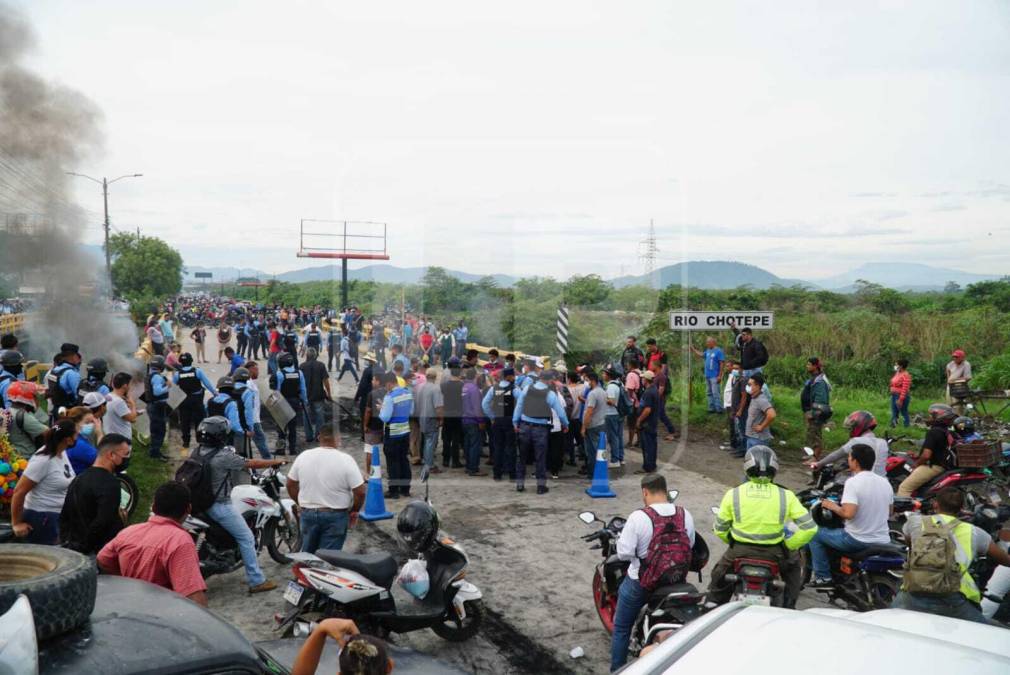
point(158, 551)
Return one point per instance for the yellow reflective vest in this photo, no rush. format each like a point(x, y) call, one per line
point(757, 512)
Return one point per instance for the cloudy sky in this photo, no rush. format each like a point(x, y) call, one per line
point(541, 137)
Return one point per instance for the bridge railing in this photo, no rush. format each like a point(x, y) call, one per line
point(12, 323)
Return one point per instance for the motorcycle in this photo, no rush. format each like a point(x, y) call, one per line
point(669, 608)
point(359, 586)
point(756, 581)
point(271, 518)
point(992, 579)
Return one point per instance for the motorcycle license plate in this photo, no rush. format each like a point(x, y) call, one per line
point(749, 599)
point(293, 593)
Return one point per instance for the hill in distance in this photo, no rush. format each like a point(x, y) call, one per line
point(708, 274)
point(903, 277)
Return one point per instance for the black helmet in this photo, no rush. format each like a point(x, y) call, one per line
point(98, 366)
point(156, 363)
point(11, 358)
point(417, 525)
point(760, 462)
point(285, 360)
point(825, 518)
point(942, 414)
point(964, 426)
point(213, 432)
point(859, 422)
point(185, 359)
point(225, 384)
point(241, 375)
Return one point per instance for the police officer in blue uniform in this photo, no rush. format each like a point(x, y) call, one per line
point(290, 340)
point(531, 421)
point(193, 382)
point(223, 405)
point(63, 379)
point(499, 404)
point(10, 371)
point(290, 382)
point(313, 338)
point(156, 397)
point(246, 400)
point(242, 337)
point(95, 380)
point(397, 407)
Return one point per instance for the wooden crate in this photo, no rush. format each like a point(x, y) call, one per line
point(977, 455)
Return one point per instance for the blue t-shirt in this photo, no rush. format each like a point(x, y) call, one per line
point(713, 362)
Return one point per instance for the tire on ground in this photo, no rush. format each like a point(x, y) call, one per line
point(60, 585)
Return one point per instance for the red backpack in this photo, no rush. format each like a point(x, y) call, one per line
point(669, 555)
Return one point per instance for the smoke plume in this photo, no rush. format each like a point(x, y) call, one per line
point(47, 130)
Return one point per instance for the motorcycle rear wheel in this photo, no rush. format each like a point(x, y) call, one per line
point(453, 632)
point(883, 589)
point(282, 535)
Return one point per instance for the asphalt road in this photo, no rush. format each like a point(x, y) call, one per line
point(525, 556)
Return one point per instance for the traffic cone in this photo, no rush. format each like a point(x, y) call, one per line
point(600, 487)
point(375, 503)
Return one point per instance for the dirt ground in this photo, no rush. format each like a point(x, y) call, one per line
point(525, 556)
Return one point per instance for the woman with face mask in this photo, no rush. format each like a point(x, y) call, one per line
point(83, 452)
point(901, 384)
point(42, 488)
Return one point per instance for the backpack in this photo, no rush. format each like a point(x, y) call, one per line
point(195, 473)
point(624, 405)
point(668, 558)
point(931, 567)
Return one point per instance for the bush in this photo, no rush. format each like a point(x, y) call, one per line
point(995, 374)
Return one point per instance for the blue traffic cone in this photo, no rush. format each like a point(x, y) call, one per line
point(375, 503)
point(600, 487)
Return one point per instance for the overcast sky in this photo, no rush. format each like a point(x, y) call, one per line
point(541, 137)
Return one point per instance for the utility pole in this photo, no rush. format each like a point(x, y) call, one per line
point(105, 183)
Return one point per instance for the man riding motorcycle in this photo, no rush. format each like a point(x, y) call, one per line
point(752, 519)
point(935, 457)
point(860, 425)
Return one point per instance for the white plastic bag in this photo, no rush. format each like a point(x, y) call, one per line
point(414, 578)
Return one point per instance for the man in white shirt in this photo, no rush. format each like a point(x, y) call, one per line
point(865, 508)
point(121, 410)
point(258, 435)
point(633, 545)
point(326, 483)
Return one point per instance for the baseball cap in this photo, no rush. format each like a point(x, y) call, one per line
point(93, 400)
point(69, 348)
point(958, 352)
point(539, 363)
point(508, 371)
point(648, 375)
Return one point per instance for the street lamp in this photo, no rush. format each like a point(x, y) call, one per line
point(105, 183)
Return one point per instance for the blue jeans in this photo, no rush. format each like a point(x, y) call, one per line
point(260, 439)
point(615, 437)
point(953, 605)
point(471, 446)
point(748, 373)
point(630, 600)
point(45, 527)
point(836, 538)
point(428, 441)
point(347, 367)
point(325, 530)
point(714, 394)
point(314, 410)
point(899, 410)
point(751, 442)
point(227, 517)
point(593, 444)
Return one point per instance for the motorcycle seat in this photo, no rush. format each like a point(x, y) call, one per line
point(878, 549)
point(660, 593)
point(378, 567)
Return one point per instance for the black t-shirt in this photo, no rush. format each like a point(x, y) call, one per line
point(90, 516)
point(314, 372)
point(938, 441)
point(452, 398)
point(375, 398)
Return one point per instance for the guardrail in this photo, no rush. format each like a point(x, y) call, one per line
point(11, 323)
point(482, 354)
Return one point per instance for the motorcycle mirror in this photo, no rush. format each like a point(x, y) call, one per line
point(587, 517)
point(715, 510)
point(673, 494)
point(809, 452)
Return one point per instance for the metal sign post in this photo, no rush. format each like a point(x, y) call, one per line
point(561, 341)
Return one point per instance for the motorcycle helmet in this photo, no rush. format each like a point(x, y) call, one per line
point(157, 363)
point(241, 375)
point(22, 392)
point(417, 526)
point(825, 518)
point(98, 367)
point(859, 422)
point(760, 462)
point(964, 426)
point(11, 359)
point(699, 554)
point(285, 360)
point(185, 359)
point(213, 432)
point(225, 384)
point(942, 414)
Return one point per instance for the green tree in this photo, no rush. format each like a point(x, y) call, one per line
point(586, 291)
point(144, 267)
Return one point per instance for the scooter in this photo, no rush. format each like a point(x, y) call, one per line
point(271, 518)
point(669, 608)
point(359, 586)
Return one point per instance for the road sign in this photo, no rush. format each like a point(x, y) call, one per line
point(720, 320)
point(203, 275)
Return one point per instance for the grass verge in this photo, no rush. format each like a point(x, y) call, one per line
point(148, 474)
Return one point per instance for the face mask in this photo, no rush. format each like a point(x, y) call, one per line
point(88, 429)
point(896, 369)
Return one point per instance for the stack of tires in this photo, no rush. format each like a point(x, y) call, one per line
point(59, 583)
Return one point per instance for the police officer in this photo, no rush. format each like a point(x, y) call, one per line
point(246, 399)
point(333, 347)
point(193, 382)
point(95, 380)
point(752, 519)
point(499, 404)
point(223, 404)
point(63, 379)
point(242, 336)
point(397, 407)
point(290, 382)
point(10, 371)
point(531, 421)
point(290, 339)
point(313, 338)
point(156, 397)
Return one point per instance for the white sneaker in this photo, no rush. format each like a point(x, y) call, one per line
point(614, 465)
